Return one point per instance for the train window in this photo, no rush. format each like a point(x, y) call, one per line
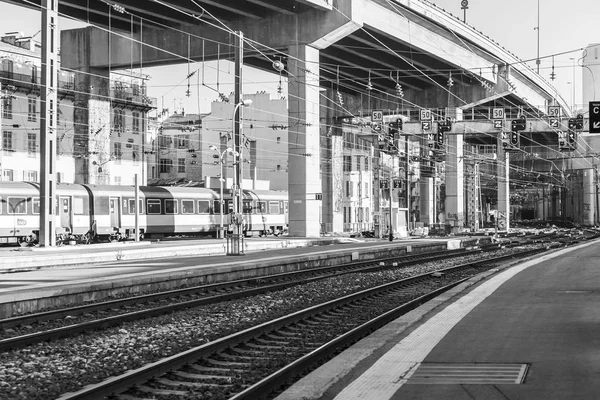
point(273, 207)
point(261, 207)
point(153, 206)
point(247, 204)
point(2, 202)
point(17, 205)
point(35, 203)
point(187, 206)
point(170, 206)
point(217, 206)
point(132, 206)
point(204, 206)
point(78, 206)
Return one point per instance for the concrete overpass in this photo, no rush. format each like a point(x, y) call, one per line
point(362, 49)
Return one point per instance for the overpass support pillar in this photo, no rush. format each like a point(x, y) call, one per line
point(427, 201)
point(455, 183)
point(503, 168)
point(589, 197)
point(92, 109)
point(304, 180)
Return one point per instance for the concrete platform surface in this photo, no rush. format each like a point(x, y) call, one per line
point(537, 321)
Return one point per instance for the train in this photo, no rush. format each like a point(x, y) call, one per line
point(88, 213)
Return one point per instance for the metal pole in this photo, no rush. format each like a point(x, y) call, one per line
point(391, 233)
point(137, 208)
point(538, 37)
point(48, 121)
point(237, 176)
point(221, 201)
point(407, 176)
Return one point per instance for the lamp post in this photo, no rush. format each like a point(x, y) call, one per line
point(237, 176)
point(228, 150)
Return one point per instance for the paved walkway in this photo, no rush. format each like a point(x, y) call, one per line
point(538, 321)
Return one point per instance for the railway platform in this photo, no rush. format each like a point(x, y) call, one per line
point(45, 278)
point(529, 331)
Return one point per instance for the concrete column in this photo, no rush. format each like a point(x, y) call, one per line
point(503, 168)
point(455, 182)
point(92, 113)
point(336, 175)
point(589, 197)
point(304, 157)
point(426, 201)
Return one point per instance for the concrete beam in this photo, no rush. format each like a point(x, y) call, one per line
point(400, 26)
point(170, 46)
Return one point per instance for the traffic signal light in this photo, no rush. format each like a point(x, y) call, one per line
point(397, 184)
point(392, 135)
point(518, 124)
point(514, 138)
point(572, 138)
point(579, 122)
point(571, 123)
point(443, 126)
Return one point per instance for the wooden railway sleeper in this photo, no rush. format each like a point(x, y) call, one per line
point(220, 363)
point(265, 347)
point(284, 338)
point(197, 385)
point(200, 377)
point(202, 368)
point(262, 341)
point(160, 392)
point(240, 357)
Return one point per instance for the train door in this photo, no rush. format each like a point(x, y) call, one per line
point(66, 216)
point(113, 209)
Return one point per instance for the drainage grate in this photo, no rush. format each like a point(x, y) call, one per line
point(471, 374)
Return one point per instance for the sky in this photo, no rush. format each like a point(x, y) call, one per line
point(565, 28)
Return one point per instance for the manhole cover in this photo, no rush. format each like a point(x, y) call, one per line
point(472, 374)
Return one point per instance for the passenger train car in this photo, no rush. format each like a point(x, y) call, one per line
point(100, 212)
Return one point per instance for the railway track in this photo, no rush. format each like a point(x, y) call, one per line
point(21, 331)
point(257, 361)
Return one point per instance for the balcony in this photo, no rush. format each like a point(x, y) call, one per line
point(26, 82)
point(127, 96)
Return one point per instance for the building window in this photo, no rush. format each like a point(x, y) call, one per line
point(31, 143)
point(7, 107)
point(30, 176)
point(32, 110)
point(164, 165)
point(117, 153)
point(118, 121)
point(347, 163)
point(135, 154)
point(181, 141)
point(358, 162)
point(8, 175)
point(366, 188)
point(366, 163)
point(349, 187)
point(135, 126)
point(164, 142)
point(117, 180)
point(7, 140)
point(181, 165)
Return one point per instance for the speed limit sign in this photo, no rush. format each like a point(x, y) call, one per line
point(377, 116)
point(425, 114)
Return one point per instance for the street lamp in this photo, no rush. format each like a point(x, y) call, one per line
point(237, 129)
point(230, 151)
